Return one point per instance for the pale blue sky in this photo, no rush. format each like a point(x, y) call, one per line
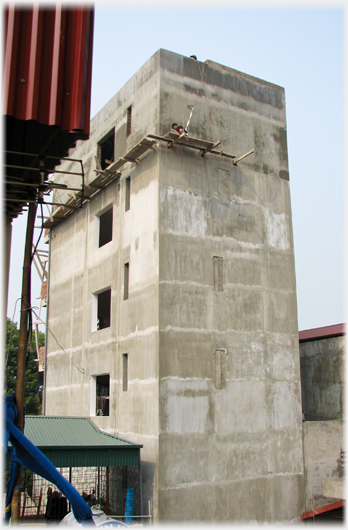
point(300, 49)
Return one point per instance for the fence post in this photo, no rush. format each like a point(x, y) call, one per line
point(39, 504)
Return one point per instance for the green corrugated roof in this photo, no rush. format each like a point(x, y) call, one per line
point(77, 442)
point(53, 431)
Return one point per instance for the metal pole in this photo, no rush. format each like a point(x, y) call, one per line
point(107, 492)
point(141, 487)
point(46, 328)
point(22, 349)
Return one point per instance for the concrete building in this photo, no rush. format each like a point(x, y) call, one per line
point(172, 291)
point(322, 355)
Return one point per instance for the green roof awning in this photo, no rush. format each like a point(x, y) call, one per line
point(77, 442)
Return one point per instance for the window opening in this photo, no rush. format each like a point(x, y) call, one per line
point(129, 120)
point(104, 309)
point(106, 150)
point(102, 395)
point(126, 281)
point(125, 371)
point(127, 202)
point(105, 227)
point(218, 273)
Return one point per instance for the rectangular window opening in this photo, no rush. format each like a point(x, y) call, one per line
point(126, 281)
point(129, 120)
point(218, 273)
point(125, 371)
point(105, 227)
point(102, 395)
point(104, 309)
point(127, 201)
point(106, 150)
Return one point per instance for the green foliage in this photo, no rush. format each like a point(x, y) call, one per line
point(33, 378)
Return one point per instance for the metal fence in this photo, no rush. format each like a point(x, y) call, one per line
point(103, 486)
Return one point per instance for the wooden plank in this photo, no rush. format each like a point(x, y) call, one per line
point(161, 138)
point(177, 139)
point(208, 149)
point(226, 155)
point(189, 141)
point(139, 149)
point(243, 156)
point(102, 179)
point(115, 165)
point(195, 143)
point(105, 177)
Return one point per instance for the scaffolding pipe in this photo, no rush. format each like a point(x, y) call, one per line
point(22, 349)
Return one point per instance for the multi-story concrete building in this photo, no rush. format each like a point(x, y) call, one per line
point(172, 291)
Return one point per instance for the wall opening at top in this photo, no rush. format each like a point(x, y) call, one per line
point(129, 120)
point(106, 149)
point(127, 198)
point(126, 281)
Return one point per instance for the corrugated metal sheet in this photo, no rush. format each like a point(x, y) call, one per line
point(58, 431)
point(46, 93)
point(77, 442)
point(93, 457)
point(48, 65)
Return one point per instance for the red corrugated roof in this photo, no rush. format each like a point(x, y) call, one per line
point(46, 93)
point(48, 64)
point(322, 333)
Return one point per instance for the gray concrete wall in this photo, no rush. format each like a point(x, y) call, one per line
point(322, 374)
point(79, 268)
point(214, 378)
point(230, 420)
point(323, 443)
point(142, 93)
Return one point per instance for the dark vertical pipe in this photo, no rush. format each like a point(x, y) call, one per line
point(22, 348)
point(46, 327)
point(98, 491)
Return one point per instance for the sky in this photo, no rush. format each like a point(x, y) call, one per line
point(299, 48)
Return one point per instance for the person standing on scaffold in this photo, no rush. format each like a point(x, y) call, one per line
point(179, 129)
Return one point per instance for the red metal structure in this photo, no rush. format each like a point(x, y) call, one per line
point(330, 508)
point(46, 91)
point(46, 107)
point(322, 333)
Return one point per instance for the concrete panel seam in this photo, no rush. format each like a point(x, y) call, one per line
point(139, 382)
point(128, 434)
point(66, 387)
point(183, 282)
point(226, 482)
point(217, 238)
point(139, 333)
point(95, 344)
point(185, 330)
point(187, 379)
